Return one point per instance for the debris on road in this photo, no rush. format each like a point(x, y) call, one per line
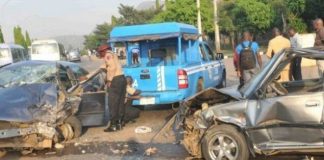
point(50, 153)
point(59, 146)
point(115, 151)
point(150, 151)
point(143, 129)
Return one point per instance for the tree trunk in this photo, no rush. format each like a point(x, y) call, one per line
point(232, 39)
point(284, 23)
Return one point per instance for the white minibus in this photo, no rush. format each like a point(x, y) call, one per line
point(47, 50)
point(11, 53)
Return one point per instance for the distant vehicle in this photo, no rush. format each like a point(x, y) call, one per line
point(74, 56)
point(47, 50)
point(167, 61)
point(11, 53)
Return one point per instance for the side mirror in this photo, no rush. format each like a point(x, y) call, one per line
point(219, 56)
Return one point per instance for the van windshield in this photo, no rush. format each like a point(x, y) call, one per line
point(4, 53)
point(153, 53)
point(45, 48)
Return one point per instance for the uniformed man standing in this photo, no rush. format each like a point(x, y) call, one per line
point(116, 83)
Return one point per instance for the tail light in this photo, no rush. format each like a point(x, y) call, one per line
point(182, 79)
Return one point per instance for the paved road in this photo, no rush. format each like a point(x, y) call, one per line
point(95, 144)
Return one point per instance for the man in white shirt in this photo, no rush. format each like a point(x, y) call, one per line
point(295, 42)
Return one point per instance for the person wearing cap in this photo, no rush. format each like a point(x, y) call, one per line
point(116, 83)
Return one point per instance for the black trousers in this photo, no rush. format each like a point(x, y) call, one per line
point(296, 69)
point(116, 98)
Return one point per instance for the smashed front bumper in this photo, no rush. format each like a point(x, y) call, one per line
point(38, 128)
point(16, 136)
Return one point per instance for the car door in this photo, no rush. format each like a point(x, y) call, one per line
point(215, 66)
point(93, 110)
point(288, 121)
point(206, 67)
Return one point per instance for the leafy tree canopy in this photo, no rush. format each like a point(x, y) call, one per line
point(128, 16)
point(185, 11)
point(19, 37)
point(1, 36)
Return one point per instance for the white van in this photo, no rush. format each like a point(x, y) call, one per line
point(11, 53)
point(47, 50)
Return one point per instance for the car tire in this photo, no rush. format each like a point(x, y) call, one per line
point(232, 143)
point(76, 126)
point(223, 82)
point(200, 85)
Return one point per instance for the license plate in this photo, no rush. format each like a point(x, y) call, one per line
point(147, 100)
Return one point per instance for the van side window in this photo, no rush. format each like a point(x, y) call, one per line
point(210, 53)
point(202, 52)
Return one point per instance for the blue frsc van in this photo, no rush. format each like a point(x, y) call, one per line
point(168, 62)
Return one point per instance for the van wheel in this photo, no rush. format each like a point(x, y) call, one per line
point(200, 85)
point(224, 142)
point(223, 82)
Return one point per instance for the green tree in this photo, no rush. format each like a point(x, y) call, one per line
point(185, 11)
point(28, 40)
point(1, 37)
point(19, 37)
point(99, 36)
point(313, 9)
point(295, 9)
point(237, 16)
point(128, 16)
point(252, 15)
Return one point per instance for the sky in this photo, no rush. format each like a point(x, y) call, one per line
point(51, 18)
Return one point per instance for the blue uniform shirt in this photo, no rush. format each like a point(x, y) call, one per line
point(254, 47)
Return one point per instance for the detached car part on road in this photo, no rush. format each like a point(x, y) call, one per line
point(262, 117)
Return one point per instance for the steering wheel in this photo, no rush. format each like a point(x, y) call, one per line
point(278, 88)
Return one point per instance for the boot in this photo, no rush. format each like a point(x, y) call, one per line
point(112, 127)
point(120, 124)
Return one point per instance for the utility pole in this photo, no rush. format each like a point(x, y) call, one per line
point(199, 21)
point(217, 38)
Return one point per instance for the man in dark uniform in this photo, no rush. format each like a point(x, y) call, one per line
point(116, 83)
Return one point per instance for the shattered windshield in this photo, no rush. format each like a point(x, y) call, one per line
point(26, 74)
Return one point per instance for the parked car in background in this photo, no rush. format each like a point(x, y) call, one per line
point(11, 53)
point(47, 50)
point(73, 56)
point(168, 62)
point(263, 117)
point(46, 102)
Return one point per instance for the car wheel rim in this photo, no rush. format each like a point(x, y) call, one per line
point(223, 147)
point(67, 131)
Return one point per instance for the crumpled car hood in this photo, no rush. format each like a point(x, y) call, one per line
point(28, 103)
point(231, 91)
